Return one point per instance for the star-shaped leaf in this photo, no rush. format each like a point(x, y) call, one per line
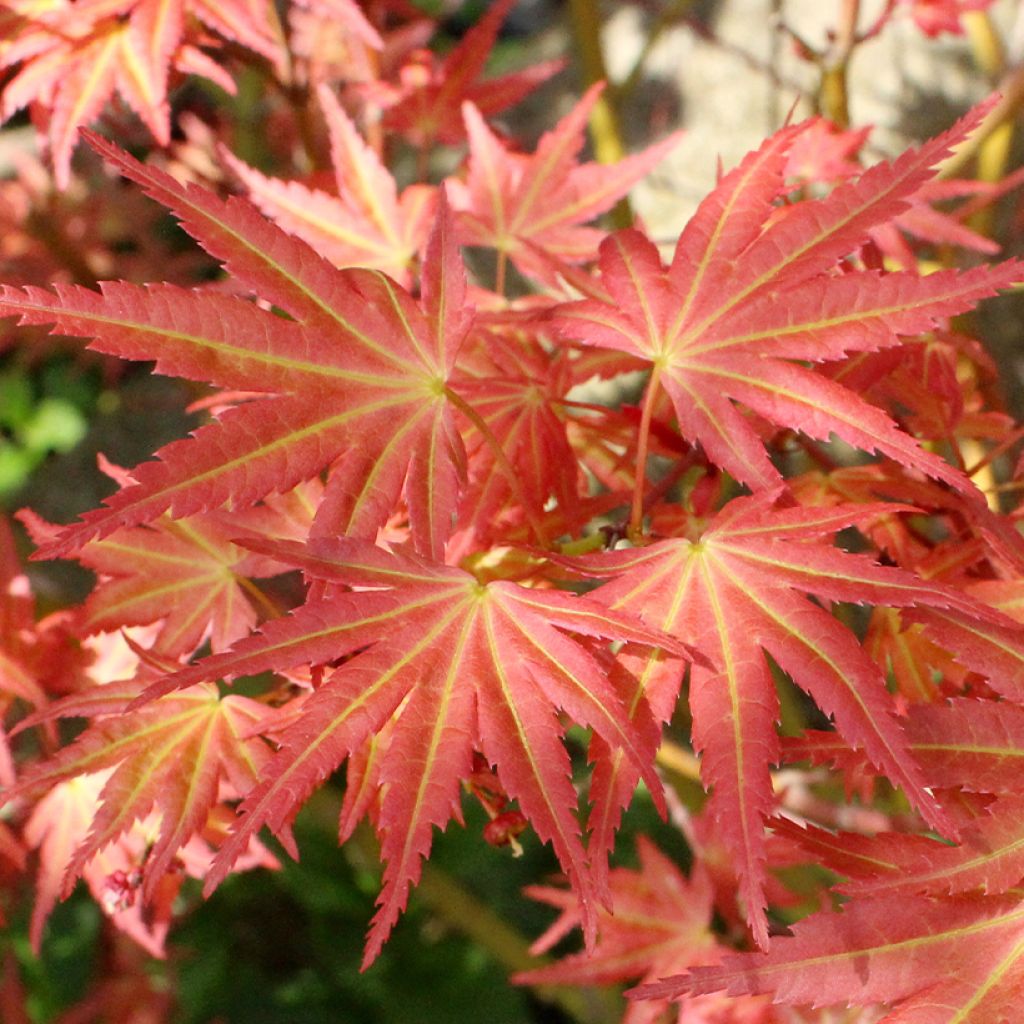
point(353, 380)
point(754, 292)
point(467, 666)
point(739, 590)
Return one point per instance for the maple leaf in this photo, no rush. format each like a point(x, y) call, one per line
point(975, 744)
point(989, 857)
point(737, 590)
point(185, 573)
point(19, 659)
point(57, 824)
point(661, 922)
point(170, 755)
point(518, 450)
point(77, 54)
point(518, 204)
point(942, 961)
point(821, 154)
point(349, 16)
point(355, 381)
point(367, 224)
point(750, 292)
point(329, 49)
point(37, 658)
point(60, 824)
point(425, 104)
point(933, 17)
point(466, 666)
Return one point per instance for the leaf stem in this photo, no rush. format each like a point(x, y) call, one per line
point(678, 760)
point(636, 515)
point(263, 602)
point(499, 273)
point(994, 153)
point(1011, 98)
point(423, 163)
point(672, 12)
point(463, 911)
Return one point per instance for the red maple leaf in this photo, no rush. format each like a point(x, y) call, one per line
point(752, 293)
point(661, 923)
point(425, 104)
point(933, 17)
point(975, 744)
point(76, 54)
point(170, 755)
point(941, 961)
point(367, 224)
point(461, 665)
point(355, 380)
point(530, 208)
point(185, 574)
point(738, 590)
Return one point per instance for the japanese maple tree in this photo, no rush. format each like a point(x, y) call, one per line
point(492, 506)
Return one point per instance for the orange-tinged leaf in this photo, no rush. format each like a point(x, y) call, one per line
point(752, 291)
point(75, 56)
point(886, 950)
point(185, 574)
point(518, 204)
point(466, 666)
point(738, 592)
point(425, 105)
point(977, 745)
point(989, 858)
point(170, 756)
point(367, 224)
point(355, 381)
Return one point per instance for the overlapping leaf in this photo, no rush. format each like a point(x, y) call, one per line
point(519, 453)
point(171, 756)
point(185, 574)
point(989, 857)
point(76, 56)
point(425, 104)
point(660, 923)
point(738, 591)
point(367, 224)
point(354, 381)
point(467, 666)
point(752, 291)
point(954, 961)
point(519, 204)
point(975, 744)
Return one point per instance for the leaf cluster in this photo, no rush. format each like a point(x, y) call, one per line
point(415, 539)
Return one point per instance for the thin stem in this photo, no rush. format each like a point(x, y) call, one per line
point(673, 12)
point(678, 760)
point(995, 152)
point(982, 475)
point(499, 272)
point(458, 908)
point(1000, 449)
point(636, 516)
point(1011, 98)
point(423, 163)
point(269, 607)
